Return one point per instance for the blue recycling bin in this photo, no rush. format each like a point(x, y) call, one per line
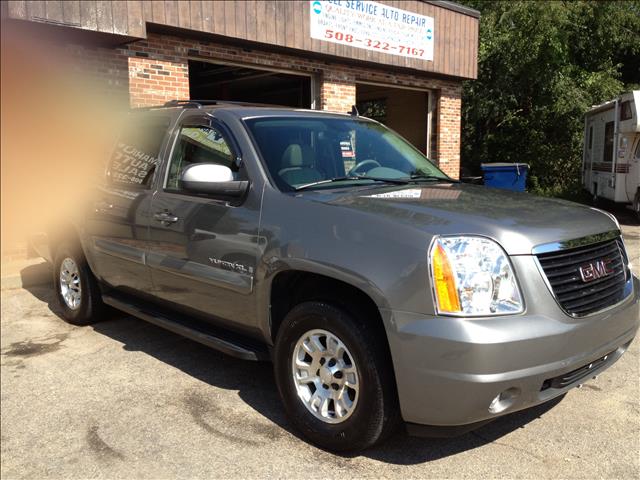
point(508, 176)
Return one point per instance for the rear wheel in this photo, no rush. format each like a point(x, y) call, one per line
point(335, 377)
point(76, 288)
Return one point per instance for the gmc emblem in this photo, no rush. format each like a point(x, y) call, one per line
point(595, 270)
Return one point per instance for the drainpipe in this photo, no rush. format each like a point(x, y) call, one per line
point(616, 133)
point(585, 146)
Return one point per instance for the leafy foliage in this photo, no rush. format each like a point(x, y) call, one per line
point(542, 65)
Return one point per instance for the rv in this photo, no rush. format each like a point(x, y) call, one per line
point(611, 155)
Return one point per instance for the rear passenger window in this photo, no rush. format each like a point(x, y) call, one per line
point(198, 145)
point(135, 157)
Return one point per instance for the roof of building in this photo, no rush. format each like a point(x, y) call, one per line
point(456, 7)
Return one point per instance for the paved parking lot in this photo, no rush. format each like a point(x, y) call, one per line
point(124, 399)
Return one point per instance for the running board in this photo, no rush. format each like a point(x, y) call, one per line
point(191, 329)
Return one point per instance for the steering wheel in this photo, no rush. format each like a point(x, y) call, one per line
point(356, 169)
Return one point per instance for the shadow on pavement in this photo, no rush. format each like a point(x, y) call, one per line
point(38, 274)
point(405, 450)
point(255, 384)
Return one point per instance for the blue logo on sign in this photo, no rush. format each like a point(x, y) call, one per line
point(429, 34)
point(317, 7)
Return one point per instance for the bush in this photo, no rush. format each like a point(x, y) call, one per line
point(541, 66)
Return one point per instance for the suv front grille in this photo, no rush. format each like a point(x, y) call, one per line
point(589, 278)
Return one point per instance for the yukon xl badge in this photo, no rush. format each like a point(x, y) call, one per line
point(595, 270)
point(234, 266)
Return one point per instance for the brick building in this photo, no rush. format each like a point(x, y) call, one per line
point(400, 62)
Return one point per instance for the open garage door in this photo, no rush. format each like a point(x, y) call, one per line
point(211, 81)
point(402, 109)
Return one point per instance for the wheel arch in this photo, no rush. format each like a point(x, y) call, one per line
point(62, 233)
point(291, 287)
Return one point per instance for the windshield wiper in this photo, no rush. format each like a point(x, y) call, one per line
point(395, 181)
point(423, 176)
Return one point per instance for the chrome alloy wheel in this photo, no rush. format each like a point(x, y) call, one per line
point(325, 376)
point(70, 286)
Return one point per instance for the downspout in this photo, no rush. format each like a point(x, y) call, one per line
point(585, 145)
point(616, 133)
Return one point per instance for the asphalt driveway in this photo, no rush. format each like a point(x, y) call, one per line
point(125, 399)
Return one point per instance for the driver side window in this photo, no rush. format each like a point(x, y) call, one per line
point(198, 144)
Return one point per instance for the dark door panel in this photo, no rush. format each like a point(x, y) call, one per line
point(118, 233)
point(203, 251)
point(117, 226)
point(207, 259)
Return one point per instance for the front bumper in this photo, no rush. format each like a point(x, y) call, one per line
point(449, 371)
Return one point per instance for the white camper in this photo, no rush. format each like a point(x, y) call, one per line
point(611, 157)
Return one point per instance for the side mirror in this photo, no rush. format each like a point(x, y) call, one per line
point(212, 179)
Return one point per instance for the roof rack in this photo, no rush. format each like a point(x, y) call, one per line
point(189, 103)
point(203, 103)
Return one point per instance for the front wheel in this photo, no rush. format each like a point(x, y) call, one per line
point(76, 288)
point(335, 377)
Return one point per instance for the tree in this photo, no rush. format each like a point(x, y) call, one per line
point(541, 66)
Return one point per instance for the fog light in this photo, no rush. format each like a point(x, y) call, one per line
point(504, 400)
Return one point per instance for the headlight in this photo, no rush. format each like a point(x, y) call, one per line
point(473, 276)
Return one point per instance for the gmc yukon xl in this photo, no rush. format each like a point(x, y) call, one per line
point(383, 291)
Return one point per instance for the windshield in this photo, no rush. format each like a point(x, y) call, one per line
point(331, 152)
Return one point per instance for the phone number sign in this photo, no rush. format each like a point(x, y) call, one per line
point(373, 26)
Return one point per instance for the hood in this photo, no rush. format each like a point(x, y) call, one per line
point(518, 221)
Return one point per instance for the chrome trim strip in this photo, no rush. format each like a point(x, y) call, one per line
point(198, 272)
point(119, 250)
point(575, 243)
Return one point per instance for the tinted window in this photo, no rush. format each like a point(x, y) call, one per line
point(135, 157)
point(626, 112)
point(298, 151)
point(198, 145)
point(608, 142)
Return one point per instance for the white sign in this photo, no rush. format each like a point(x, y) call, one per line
point(373, 26)
point(407, 193)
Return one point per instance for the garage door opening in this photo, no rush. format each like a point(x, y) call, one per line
point(403, 110)
point(211, 81)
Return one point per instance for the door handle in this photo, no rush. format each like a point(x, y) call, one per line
point(166, 218)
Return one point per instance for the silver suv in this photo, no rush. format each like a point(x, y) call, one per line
point(382, 290)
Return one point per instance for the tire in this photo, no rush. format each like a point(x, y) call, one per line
point(71, 274)
point(373, 413)
point(636, 205)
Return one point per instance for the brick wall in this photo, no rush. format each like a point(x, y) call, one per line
point(153, 81)
point(448, 138)
point(106, 69)
point(337, 91)
point(155, 70)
